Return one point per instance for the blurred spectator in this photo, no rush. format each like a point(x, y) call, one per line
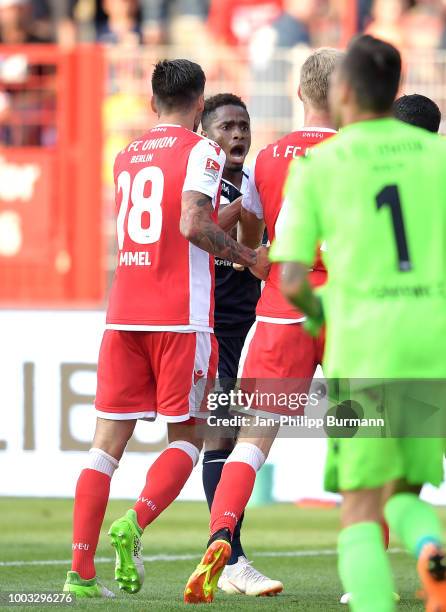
point(122, 25)
point(423, 28)
point(231, 26)
point(16, 23)
point(325, 22)
point(387, 21)
point(290, 28)
point(173, 21)
point(271, 101)
point(121, 28)
point(234, 22)
point(27, 95)
point(155, 18)
point(54, 19)
point(364, 10)
point(188, 28)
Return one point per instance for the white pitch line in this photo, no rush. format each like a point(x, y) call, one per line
point(187, 557)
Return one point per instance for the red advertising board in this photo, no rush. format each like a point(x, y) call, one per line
point(27, 183)
point(51, 195)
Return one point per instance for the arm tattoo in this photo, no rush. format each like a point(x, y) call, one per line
point(202, 201)
point(197, 225)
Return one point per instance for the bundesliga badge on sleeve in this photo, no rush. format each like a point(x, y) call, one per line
point(212, 168)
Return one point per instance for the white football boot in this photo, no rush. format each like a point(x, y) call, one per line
point(243, 578)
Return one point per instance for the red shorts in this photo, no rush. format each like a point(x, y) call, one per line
point(280, 359)
point(281, 351)
point(145, 374)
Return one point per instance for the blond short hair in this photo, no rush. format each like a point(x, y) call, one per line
point(315, 77)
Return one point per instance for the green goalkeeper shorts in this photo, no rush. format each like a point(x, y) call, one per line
point(405, 448)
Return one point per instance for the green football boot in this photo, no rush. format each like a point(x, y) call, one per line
point(125, 535)
point(85, 588)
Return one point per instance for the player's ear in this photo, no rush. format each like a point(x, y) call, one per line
point(200, 104)
point(346, 94)
point(153, 106)
point(299, 93)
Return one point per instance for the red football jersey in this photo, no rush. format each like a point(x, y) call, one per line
point(162, 281)
point(265, 198)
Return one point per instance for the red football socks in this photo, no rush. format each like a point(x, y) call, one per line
point(165, 479)
point(92, 491)
point(232, 495)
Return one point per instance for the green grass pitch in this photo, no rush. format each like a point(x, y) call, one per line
point(295, 545)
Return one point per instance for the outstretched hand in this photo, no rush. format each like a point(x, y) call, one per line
point(263, 265)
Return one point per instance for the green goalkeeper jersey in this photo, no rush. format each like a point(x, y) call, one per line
point(375, 197)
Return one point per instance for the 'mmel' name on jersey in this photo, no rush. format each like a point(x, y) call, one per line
point(142, 258)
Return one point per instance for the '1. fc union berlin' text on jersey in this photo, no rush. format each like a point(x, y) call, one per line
point(162, 281)
point(265, 199)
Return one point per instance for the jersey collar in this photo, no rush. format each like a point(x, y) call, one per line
point(318, 129)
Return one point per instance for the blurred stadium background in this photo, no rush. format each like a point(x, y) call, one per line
point(74, 89)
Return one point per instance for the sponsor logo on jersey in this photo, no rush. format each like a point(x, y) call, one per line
point(212, 168)
point(229, 192)
point(223, 262)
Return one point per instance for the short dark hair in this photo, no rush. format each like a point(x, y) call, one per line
point(418, 110)
point(372, 67)
point(177, 83)
point(223, 99)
